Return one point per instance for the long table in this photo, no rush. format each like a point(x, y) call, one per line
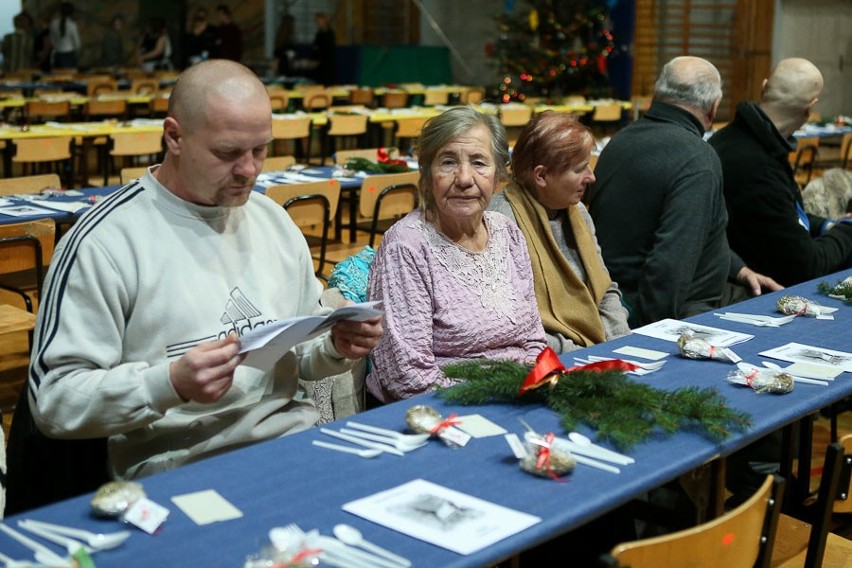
point(288, 480)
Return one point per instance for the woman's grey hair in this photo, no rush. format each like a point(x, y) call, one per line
point(441, 130)
point(689, 81)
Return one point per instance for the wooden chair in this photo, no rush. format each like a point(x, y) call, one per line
point(514, 118)
point(99, 109)
point(394, 99)
point(145, 86)
point(101, 86)
point(279, 99)
point(133, 148)
point(472, 95)
point(278, 163)
point(363, 96)
point(26, 249)
point(606, 119)
point(803, 159)
point(347, 130)
point(407, 130)
point(295, 129)
point(158, 106)
point(29, 184)
point(433, 97)
point(846, 151)
point(801, 544)
point(741, 538)
point(317, 99)
point(310, 205)
point(41, 155)
point(385, 198)
point(129, 174)
point(41, 111)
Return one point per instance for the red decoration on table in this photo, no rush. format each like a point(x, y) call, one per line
point(451, 420)
point(549, 369)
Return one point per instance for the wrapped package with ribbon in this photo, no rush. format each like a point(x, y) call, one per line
point(543, 458)
point(424, 419)
point(693, 347)
point(762, 380)
point(798, 306)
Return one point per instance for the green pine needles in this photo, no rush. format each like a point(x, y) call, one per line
point(620, 410)
point(840, 290)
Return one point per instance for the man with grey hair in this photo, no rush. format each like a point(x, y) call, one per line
point(658, 207)
point(768, 226)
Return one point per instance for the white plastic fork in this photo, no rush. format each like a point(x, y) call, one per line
point(413, 438)
point(71, 545)
point(43, 554)
point(363, 442)
point(398, 443)
point(362, 452)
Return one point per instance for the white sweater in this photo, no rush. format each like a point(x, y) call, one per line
point(138, 281)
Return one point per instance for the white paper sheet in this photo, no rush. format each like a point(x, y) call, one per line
point(671, 329)
point(265, 345)
point(800, 353)
point(23, 211)
point(441, 516)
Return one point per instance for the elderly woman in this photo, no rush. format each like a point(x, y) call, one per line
point(454, 278)
point(579, 304)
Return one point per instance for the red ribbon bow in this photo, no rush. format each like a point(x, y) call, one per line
point(451, 420)
point(383, 157)
point(549, 369)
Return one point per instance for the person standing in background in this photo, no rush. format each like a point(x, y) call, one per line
point(65, 38)
point(155, 49)
point(112, 44)
point(229, 42)
point(18, 44)
point(42, 47)
point(323, 50)
point(200, 42)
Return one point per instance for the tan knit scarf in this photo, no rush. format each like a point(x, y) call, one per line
point(567, 305)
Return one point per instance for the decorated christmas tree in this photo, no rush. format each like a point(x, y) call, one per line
point(553, 48)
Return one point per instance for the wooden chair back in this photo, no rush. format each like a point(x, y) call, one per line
point(35, 150)
point(278, 163)
point(159, 105)
point(515, 115)
point(131, 173)
point(387, 197)
point(803, 158)
point(347, 124)
point(136, 143)
point(145, 86)
point(409, 127)
point(314, 100)
point(434, 97)
point(311, 204)
point(29, 184)
point(363, 96)
point(291, 128)
point(395, 99)
point(47, 110)
point(26, 249)
point(114, 108)
point(846, 151)
point(472, 95)
point(279, 99)
point(741, 538)
point(808, 544)
point(607, 113)
point(101, 86)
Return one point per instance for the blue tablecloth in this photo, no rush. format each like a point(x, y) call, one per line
point(290, 481)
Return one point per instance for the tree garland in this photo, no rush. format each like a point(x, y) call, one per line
point(620, 410)
point(841, 290)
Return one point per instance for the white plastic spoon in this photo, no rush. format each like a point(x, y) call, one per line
point(398, 443)
point(347, 534)
point(10, 562)
point(71, 545)
point(364, 453)
point(599, 451)
point(412, 438)
point(96, 541)
point(797, 379)
point(42, 553)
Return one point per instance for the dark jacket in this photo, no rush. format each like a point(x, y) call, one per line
point(660, 217)
point(761, 194)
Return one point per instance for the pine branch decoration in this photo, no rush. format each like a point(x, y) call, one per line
point(620, 410)
point(842, 290)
